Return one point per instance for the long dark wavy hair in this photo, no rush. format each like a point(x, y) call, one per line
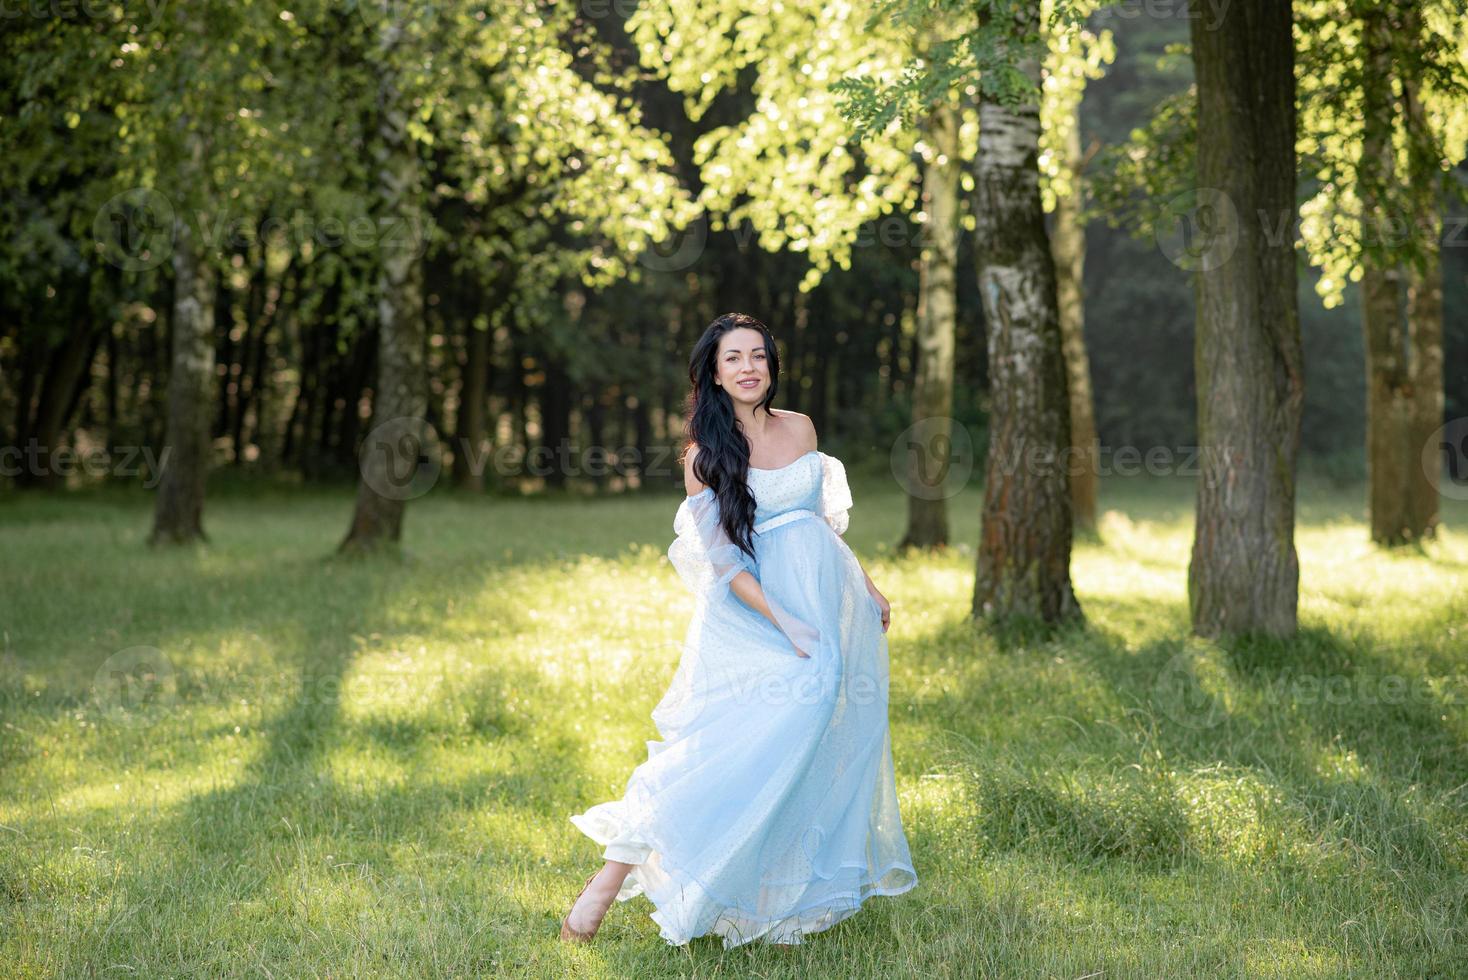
point(722, 462)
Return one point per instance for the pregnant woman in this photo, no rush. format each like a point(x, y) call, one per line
point(768, 810)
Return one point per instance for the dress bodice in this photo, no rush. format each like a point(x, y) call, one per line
point(794, 486)
point(813, 486)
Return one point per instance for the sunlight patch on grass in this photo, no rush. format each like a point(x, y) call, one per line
point(1229, 812)
point(1289, 959)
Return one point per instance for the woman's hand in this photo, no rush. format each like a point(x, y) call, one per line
point(799, 645)
point(883, 605)
point(800, 634)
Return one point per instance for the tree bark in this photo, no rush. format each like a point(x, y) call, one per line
point(1024, 548)
point(1424, 310)
point(1390, 459)
point(1244, 572)
point(1068, 245)
point(67, 368)
point(392, 452)
point(929, 455)
point(178, 515)
point(471, 445)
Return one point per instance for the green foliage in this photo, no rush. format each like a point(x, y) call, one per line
point(1138, 180)
point(980, 46)
point(1135, 181)
point(974, 49)
point(1074, 56)
point(1331, 70)
point(789, 169)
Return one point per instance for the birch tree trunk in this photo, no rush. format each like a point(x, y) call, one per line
point(178, 513)
point(392, 453)
point(1244, 573)
point(1068, 245)
point(1024, 546)
point(928, 455)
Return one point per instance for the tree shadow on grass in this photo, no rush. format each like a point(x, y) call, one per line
point(324, 791)
point(1177, 708)
point(1288, 710)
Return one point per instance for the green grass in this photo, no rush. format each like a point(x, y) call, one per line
point(365, 767)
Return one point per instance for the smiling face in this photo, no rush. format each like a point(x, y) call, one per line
point(742, 366)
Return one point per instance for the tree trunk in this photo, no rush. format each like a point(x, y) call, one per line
point(642, 422)
point(1390, 459)
point(555, 422)
point(83, 381)
point(68, 365)
point(30, 368)
point(1024, 547)
point(298, 421)
point(1425, 326)
point(471, 444)
point(1424, 311)
point(114, 353)
point(255, 402)
point(392, 453)
point(594, 458)
point(818, 329)
point(178, 516)
point(1069, 248)
point(929, 453)
point(1244, 572)
point(225, 351)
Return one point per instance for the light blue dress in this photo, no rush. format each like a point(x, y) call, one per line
point(768, 810)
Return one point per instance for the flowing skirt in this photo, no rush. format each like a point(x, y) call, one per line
point(768, 809)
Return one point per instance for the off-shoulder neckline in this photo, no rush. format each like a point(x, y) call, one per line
point(756, 469)
point(787, 466)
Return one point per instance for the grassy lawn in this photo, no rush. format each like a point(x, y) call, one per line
point(365, 768)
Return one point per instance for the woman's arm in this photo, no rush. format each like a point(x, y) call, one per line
point(752, 594)
point(744, 585)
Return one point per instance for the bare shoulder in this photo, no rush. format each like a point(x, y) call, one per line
point(802, 429)
point(691, 483)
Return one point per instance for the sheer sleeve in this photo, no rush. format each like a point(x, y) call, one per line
point(835, 494)
point(702, 553)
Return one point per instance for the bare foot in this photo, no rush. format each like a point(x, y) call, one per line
point(591, 907)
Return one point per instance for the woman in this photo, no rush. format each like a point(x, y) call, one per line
point(768, 810)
